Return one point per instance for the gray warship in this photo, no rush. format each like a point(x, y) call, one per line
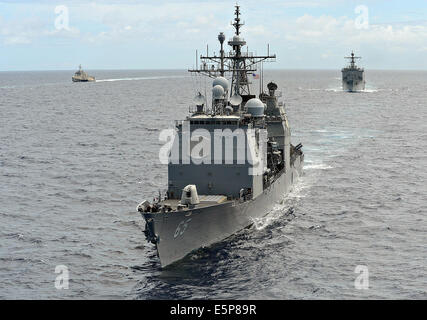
point(82, 76)
point(208, 202)
point(353, 77)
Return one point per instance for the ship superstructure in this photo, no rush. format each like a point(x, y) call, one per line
point(353, 77)
point(82, 76)
point(230, 161)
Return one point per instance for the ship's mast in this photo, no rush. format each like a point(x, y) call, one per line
point(240, 77)
point(352, 58)
point(236, 62)
point(221, 39)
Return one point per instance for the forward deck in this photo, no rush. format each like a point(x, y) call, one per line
point(205, 201)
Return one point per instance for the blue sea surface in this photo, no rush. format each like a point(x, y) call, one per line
point(76, 159)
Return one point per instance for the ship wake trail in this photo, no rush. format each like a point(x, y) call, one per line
point(317, 166)
point(141, 78)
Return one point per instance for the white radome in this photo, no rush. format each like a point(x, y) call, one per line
point(255, 107)
point(218, 92)
point(222, 82)
point(236, 100)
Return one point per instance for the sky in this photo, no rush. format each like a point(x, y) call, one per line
point(151, 34)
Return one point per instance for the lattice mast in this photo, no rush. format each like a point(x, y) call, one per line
point(237, 63)
point(352, 60)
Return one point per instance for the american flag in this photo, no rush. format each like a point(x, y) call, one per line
point(255, 75)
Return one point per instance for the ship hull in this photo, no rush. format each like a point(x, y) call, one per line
point(180, 233)
point(83, 80)
point(353, 86)
point(353, 80)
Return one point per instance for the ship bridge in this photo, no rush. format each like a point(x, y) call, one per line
point(222, 146)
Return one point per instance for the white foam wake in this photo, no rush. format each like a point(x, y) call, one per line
point(283, 209)
point(317, 166)
point(141, 78)
point(361, 91)
point(273, 215)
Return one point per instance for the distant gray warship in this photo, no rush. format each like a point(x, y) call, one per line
point(353, 77)
point(82, 76)
point(210, 201)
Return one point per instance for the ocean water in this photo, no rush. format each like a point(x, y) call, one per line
point(76, 159)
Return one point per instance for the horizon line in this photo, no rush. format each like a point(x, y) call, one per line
point(183, 69)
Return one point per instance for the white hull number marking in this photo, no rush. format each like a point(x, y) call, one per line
point(181, 228)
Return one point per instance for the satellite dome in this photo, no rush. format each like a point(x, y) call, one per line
point(218, 92)
point(236, 100)
point(222, 82)
point(199, 100)
point(255, 107)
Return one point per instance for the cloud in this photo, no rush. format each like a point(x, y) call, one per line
point(109, 21)
point(27, 27)
point(112, 21)
point(184, 25)
point(343, 31)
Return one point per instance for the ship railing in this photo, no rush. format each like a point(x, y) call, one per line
point(245, 195)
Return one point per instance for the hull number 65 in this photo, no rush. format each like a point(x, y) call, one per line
point(182, 226)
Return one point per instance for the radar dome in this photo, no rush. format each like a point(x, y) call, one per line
point(255, 107)
point(218, 92)
point(222, 82)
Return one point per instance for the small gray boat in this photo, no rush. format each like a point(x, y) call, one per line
point(82, 76)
